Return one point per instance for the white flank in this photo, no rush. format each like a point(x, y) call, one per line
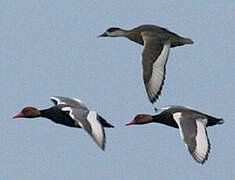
point(96, 128)
point(158, 73)
point(177, 116)
point(202, 144)
point(57, 100)
point(72, 115)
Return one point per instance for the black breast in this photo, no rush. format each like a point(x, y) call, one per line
point(56, 115)
point(165, 118)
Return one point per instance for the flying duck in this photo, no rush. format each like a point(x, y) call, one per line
point(192, 126)
point(71, 112)
point(157, 42)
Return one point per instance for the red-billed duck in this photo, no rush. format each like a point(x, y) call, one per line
point(157, 42)
point(71, 112)
point(191, 123)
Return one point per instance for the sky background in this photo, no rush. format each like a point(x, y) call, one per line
point(50, 48)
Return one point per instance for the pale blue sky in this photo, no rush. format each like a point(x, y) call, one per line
point(49, 48)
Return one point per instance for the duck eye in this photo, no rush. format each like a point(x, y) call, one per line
point(111, 29)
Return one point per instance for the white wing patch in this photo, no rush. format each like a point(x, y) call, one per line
point(97, 129)
point(57, 100)
point(177, 116)
point(71, 115)
point(202, 144)
point(159, 110)
point(80, 102)
point(158, 71)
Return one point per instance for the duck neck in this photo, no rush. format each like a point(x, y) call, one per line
point(126, 33)
point(165, 119)
point(46, 113)
point(134, 35)
point(122, 33)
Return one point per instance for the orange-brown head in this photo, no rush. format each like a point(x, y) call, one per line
point(141, 119)
point(28, 112)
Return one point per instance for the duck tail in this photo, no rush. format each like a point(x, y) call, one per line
point(104, 122)
point(220, 121)
point(187, 41)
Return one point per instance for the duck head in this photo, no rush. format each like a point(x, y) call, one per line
point(141, 119)
point(28, 112)
point(113, 32)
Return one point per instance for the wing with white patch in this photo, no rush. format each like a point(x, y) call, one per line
point(73, 102)
point(154, 59)
point(97, 133)
point(194, 134)
point(88, 121)
point(202, 143)
point(160, 110)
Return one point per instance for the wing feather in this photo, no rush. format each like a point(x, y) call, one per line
point(194, 134)
point(88, 121)
point(73, 102)
point(154, 59)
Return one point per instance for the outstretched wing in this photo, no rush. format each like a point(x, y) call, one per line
point(88, 121)
point(194, 134)
point(154, 59)
point(72, 102)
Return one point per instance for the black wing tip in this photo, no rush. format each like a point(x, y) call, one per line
point(103, 147)
point(206, 157)
point(154, 98)
point(201, 161)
